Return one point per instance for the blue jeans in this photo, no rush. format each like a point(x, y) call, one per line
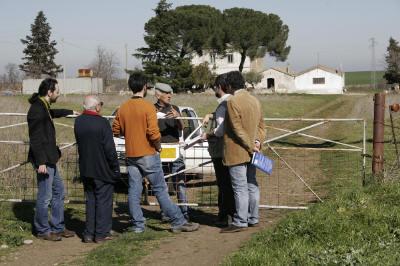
point(50, 193)
point(150, 166)
point(178, 181)
point(246, 193)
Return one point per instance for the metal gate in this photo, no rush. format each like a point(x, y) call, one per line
point(309, 156)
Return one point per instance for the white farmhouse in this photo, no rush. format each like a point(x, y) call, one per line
point(320, 80)
point(316, 80)
point(277, 80)
point(230, 62)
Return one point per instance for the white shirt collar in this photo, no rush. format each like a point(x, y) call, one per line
point(223, 98)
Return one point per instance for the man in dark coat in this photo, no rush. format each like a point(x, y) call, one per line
point(44, 155)
point(98, 166)
point(170, 129)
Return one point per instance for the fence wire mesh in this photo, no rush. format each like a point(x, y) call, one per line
point(392, 143)
point(319, 164)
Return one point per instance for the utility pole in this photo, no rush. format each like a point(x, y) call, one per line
point(126, 62)
point(63, 50)
point(373, 63)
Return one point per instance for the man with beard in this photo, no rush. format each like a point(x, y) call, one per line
point(44, 155)
point(136, 120)
point(226, 203)
point(244, 133)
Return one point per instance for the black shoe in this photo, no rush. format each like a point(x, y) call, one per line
point(87, 239)
point(220, 222)
point(254, 225)
point(233, 229)
point(49, 237)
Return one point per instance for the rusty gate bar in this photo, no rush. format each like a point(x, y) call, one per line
point(379, 130)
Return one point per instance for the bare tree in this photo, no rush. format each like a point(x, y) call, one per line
point(105, 65)
point(12, 76)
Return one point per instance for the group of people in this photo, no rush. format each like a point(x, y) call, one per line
point(237, 133)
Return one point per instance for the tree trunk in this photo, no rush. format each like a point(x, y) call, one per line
point(242, 59)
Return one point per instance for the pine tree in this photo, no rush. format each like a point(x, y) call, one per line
point(392, 74)
point(40, 51)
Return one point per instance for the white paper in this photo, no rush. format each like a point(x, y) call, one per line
point(160, 115)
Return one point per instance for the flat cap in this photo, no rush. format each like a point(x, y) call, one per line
point(163, 87)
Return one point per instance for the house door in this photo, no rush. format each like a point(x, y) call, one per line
point(270, 83)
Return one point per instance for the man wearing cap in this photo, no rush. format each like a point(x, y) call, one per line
point(170, 129)
point(143, 147)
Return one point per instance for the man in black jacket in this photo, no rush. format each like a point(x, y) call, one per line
point(44, 155)
point(98, 166)
point(170, 129)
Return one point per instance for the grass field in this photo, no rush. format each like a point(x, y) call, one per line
point(355, 226)
point(335, 232)
point(362, 78)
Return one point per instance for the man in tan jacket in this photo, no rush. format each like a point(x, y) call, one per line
point(244, 133)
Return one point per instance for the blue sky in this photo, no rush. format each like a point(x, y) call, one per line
point(333, 33)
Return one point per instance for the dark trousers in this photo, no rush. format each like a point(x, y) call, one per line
point(226, 201)
point(99, 206)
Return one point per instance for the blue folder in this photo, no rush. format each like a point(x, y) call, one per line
point(262, 162)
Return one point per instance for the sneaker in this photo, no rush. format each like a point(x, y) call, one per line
point(103, 239)
point(187, 227)
point(233, 229)
point(49, 237)
point(136, 230)
point(66, 233)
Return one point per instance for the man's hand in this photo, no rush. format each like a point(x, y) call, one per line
point(42, 169)
point(207, 118)
point(172, 114)
point(257, 146)
point(76, 113)
point(204, 136)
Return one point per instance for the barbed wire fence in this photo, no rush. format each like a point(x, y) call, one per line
point(305, 163)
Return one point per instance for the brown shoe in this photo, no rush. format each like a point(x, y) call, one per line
point(66, 233)
point(233, 229)
point(49, 237)
point(103, 239)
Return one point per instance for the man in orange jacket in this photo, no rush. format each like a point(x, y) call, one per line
point(136, 120)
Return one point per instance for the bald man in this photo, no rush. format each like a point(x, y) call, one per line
point(98, 166)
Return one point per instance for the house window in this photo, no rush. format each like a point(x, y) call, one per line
point(212, 58)
point(318, 80)
point(230, 58)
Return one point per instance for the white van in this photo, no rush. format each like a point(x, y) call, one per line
point(195, 153)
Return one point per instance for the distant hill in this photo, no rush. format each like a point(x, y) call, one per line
point(363, 78)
